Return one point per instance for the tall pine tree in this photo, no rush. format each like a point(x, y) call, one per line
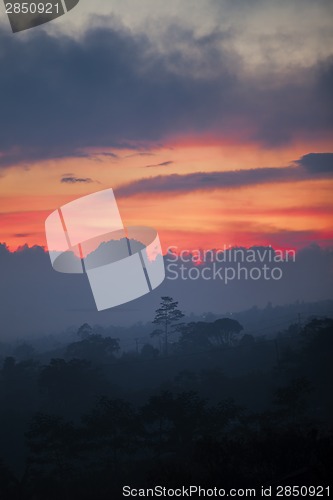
point(167, 317)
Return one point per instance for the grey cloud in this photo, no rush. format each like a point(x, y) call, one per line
point(317, 162)
point(76, 180)
point(206, 181)
point(108, 155)
point(140, 154)
point(231, 179)
point(163, 164)
point(28, 155)
point(113, 88)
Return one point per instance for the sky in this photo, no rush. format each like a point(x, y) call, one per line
point(212, 121)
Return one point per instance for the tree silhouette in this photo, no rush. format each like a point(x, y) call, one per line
point(173, 419)
point(18, 383)
point(84, 331)
point(112, 430)
point(53, 453)
point(94, 348)
point(149, 352)
point(8, 482)
point(201, 335)
point(194, 336)
point(291, 399)
point(178, 426)
point(167, 316)
point(70, 387)
point(224, 330)
point(247, 340)
point(24, 351)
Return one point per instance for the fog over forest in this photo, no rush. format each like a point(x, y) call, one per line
point(50, 302)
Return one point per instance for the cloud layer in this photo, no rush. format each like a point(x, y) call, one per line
point(311, 166)
point(76, 180)
point(317, 163)
point(112, 87)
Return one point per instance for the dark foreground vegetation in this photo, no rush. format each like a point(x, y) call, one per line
point(216, 410)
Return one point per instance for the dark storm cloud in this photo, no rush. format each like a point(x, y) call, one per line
point(317, 162)
point(112, 88)
point(230, 179)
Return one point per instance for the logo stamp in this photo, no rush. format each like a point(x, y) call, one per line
point(24, 15)
point(87, 236)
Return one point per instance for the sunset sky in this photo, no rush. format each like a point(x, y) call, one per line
point(212, 121)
